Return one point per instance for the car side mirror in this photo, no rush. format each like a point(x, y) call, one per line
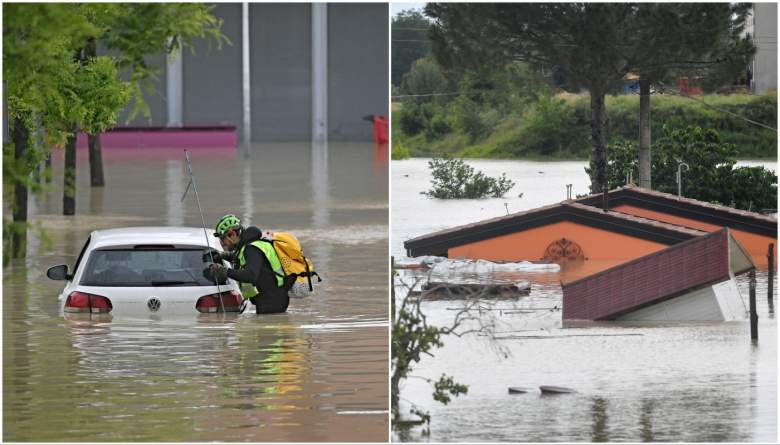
point(59, 272)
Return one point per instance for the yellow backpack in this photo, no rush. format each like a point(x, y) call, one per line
point(290, 254)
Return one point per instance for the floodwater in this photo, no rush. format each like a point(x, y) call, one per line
point(316, 373)
point(687, 382)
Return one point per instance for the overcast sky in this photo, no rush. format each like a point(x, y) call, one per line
point(396, 7)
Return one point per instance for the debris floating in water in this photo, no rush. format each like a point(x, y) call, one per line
point(555, 390)
point(447, 266)
point(481, 289)
point(518, 390)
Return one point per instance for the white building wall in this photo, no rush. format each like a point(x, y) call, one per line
point(765, 39)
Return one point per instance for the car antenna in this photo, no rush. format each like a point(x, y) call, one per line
point(203, 220)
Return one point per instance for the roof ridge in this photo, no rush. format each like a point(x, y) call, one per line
point(565, 203)
point(720, 207)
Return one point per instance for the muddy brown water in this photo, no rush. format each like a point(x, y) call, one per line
point(652, 382)
point(317, 373)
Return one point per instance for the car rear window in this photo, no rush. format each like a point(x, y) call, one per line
point(145, 267)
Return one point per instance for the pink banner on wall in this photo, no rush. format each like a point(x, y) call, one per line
point(166, 137)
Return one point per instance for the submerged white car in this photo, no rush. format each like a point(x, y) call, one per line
point(145, 270)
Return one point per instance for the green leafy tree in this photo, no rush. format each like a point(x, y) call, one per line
point(413, 338)
point(425, 77)
point(581, 41)
point(415, 117)
point(40, 41)
point(694, 39)
point(57, 86)
point(454, 179)
point(133, 31)
point(711, 176)
point(409, 41)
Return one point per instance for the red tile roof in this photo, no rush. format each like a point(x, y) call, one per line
point(650, 279)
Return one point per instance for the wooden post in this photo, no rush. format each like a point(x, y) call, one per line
point(753, 314)
point(392, 290)
point(771, 278)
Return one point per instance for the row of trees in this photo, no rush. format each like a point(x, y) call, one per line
point(593, 46)
point(57, 86)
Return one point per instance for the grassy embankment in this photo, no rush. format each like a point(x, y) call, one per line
point(558, 128)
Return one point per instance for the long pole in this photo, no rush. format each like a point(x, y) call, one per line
point(770, 277)
point(753, 313)
point(203, 221)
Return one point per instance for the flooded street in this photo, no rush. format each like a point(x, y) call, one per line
point(688, 382)
point(316, 373)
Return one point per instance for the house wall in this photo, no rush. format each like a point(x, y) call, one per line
point(755, 245)
point(602, 249)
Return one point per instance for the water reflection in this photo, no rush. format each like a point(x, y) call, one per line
point(645, 420)
point(320, 218)
point(598, 409)
point(174, 192)
point(247, 194)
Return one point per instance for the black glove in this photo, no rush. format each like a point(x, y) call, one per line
point(212, 255)
point(215, 272)
point(218, 256)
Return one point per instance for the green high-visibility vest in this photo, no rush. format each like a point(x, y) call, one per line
point(248, 290)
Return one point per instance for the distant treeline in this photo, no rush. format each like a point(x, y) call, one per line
point(557, 126)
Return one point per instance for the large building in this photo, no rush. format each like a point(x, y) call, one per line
point(764, 32)
point(300, 56)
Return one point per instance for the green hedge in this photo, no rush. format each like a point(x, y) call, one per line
point(558, 127)
point(679, 112)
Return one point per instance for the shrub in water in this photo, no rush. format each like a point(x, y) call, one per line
point(711, 176)
point(454, 179)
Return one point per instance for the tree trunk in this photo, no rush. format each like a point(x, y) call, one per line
point(645, 157)
point(69, 183)
point(95, 161)
point(598, 139)
point(21, 138)
point(96, 178)
point(47, 169)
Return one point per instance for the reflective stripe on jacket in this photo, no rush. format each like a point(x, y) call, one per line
point(248, 290)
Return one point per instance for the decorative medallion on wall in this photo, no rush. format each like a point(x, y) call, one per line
point(564, 250)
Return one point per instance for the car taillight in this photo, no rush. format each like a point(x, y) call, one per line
point(232, 301)
point(84, 302)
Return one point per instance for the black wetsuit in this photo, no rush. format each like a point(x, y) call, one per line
point(257, 270)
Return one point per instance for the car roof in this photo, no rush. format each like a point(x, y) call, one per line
point(131, 236)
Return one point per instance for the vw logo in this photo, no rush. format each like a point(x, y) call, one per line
point(153, 304)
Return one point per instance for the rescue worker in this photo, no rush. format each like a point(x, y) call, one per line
point(256, 266)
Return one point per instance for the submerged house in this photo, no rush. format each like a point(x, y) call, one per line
point(682, 253)
point(753, 231)
point(690, 281)
point(581, 238)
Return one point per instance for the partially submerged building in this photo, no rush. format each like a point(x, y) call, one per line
point(647, 256)
point(690, 281)
point(581, 238)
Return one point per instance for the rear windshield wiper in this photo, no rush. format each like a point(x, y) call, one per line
point(172, 282)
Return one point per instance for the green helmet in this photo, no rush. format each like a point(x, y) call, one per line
point(225, 224)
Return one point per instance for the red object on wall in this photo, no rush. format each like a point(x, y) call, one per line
point(688, 88)
point(381, 130)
